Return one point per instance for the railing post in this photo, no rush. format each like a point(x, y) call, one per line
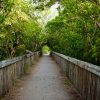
point(12, 69)
point(84, 76)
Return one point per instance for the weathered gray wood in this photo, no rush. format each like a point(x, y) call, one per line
point(14, 68)
point(84, 76)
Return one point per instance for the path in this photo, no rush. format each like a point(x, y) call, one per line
point(45, 83)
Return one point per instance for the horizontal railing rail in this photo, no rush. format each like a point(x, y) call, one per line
point(7, 62)
point(83, 75)
point(14, 68)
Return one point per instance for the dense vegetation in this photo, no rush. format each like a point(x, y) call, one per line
point(45, 49)
point(19, 29)
point(75, 32)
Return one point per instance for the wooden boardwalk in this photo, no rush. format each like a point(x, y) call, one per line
point(44, 83)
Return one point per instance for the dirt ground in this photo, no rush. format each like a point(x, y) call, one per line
point(45, 82)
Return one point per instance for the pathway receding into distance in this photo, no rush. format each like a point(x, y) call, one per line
point(44, 83)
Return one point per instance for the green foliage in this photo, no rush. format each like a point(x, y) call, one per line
point(19, 28)
point(21, 49)
point(76, 31)
point(42, 4)
point(45, 49)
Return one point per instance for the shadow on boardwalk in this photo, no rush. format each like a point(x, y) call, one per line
point(46, 82)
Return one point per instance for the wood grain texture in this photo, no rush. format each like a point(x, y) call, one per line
point(84, 76)
point(12, 69)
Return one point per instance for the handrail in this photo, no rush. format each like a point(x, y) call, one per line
point(84, 76)
point(14, 68)
point(7, 62)
point(88, 66)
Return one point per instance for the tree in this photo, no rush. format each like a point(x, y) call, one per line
point(76, 30)
point(19, 28)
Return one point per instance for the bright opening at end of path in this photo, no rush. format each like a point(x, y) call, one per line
point(46, 50)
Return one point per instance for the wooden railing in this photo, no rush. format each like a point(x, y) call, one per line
point(12, 69)
point(84, 76)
